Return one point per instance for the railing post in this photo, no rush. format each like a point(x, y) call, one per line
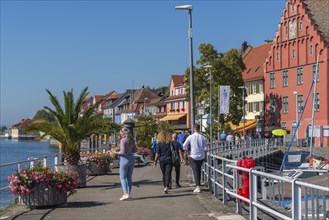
point(56, 162)
point(224, 182)
point(264, 190)
point(216, 177)
point(31, 163)
point(45, 161)
point(296, 200)
point(253, 194)
point(209, 173)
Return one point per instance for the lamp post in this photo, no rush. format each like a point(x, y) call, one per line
point(244, 112)
point(296, 125)
point(189, 8)
point(210, 103)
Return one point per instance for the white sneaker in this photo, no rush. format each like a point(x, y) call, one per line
point(165, 190)
point(197, 189)
point(124, 197)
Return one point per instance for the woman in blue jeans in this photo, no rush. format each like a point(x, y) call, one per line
point(127, 162)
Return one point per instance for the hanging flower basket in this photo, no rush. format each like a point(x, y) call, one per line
point(97, 163)
point(41, 186)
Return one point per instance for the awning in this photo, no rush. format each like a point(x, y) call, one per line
point(248, 125)
point(172, 117)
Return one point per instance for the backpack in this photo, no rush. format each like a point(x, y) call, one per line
point(174, 155)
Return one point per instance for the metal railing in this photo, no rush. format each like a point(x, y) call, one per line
point(268, 192)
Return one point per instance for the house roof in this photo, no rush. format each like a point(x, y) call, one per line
point(143, 93)
point(319, 12)
point(178, 80)
point(254, 61)
point(182, 96)
point(22, 124)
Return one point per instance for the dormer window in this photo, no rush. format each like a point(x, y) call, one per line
point(172, 92)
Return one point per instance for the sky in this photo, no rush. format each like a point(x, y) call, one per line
point(113, 45)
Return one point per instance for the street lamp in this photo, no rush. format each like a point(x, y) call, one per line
point(210, 102)
point(244, 112)
point(296, 127)
point(189, 8)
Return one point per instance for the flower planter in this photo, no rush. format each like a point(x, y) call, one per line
point(80, 169)
point(42, 196)
point(94, 170)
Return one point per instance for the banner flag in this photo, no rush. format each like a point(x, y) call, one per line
point(224, 99)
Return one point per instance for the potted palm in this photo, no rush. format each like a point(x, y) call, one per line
point(70, 127)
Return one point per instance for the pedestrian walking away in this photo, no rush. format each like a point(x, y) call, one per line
point(198, 145)
point(163, 154)
point(178, 148)
point(127, 162)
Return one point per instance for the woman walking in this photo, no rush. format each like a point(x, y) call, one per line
point(164, 155)
point(127, 162)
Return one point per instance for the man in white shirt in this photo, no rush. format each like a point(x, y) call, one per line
point(198, 145)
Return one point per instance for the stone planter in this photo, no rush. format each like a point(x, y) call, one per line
point(94, 170)
point(82, 172)
point(42, 196)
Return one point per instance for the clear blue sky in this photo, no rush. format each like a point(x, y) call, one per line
point(113, 45)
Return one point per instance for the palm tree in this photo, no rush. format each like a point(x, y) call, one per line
point(70, 128)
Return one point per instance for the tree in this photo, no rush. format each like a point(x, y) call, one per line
point(44, 115)
point(165, 126)
point(226, 69)
point(69, 127)
point(3, 128)
point(144, 131)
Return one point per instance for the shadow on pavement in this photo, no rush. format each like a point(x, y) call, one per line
point(160, 197)
point(85, 204)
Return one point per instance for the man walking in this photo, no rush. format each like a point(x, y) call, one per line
point(198, 145)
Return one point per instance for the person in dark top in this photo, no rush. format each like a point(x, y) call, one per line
point(178, 148)
point(164, 155)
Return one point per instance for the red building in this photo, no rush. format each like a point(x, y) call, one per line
point(302, 35)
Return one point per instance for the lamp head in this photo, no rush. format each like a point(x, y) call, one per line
point(184, 7)
point(207, 66)
point(295, 92)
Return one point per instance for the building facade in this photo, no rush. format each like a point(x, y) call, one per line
point(302, 38)
point(177, 106)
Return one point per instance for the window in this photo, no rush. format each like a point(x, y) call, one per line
point(285, 78)
point(300, 25)
point(293, 54)
point(300, 100)
point(284, 124)
point(178, 104)
point(249, 107)
point(181, 91)
point(261, 106)
point(292, 7)
point(286, 33)
point(172, 106)
point(299, 75)
point(317, 102)
point(285, 104)
point(311, 49)
point(257, 87)
point(183, 105)
point(272, 80)
point(253, 88)
point(257, 107)
point(254, 107)
point(277, 56)
point(172, 92)
point(272, 105)
point(261, 88)
point(314, 69)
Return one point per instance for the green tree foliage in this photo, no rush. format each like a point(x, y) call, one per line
point(3, 128)
point(226, 69)
point(44, 115)
point(144, 131)
point(69, 127)
point(165, 126)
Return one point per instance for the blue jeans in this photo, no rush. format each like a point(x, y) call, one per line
point(127, 163)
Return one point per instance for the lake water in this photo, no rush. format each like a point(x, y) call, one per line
point(14, 151)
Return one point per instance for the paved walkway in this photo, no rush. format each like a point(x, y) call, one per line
point(100, 200)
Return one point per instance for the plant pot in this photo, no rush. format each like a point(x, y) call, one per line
point(82, 172)
point(42, 196)
point(94, 170)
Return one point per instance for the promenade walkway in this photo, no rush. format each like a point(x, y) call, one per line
point(100, 200)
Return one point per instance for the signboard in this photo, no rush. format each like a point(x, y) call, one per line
point(200, 111)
